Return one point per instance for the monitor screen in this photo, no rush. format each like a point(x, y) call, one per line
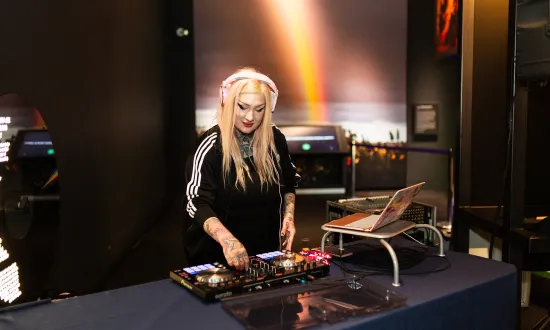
point(334, 62)
point(312, 139)
point(35, 144)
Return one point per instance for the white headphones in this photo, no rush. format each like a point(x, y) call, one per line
point(226, 84)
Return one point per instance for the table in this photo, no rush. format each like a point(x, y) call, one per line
point(474, 293)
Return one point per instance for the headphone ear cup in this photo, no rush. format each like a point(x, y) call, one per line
point(273, 101)
point(223, 92)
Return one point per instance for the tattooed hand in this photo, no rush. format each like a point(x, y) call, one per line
point(235, 253)
point(289, 230)
point(233, 250)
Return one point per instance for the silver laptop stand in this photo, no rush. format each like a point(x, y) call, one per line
point(389, 231)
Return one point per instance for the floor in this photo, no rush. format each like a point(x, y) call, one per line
point(539, 304)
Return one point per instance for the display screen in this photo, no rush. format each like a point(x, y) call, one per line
point(335, 62)
point(311, 139)
point(35, 144)
point(15, 115)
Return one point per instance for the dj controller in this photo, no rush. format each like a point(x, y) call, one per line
point(216, 281)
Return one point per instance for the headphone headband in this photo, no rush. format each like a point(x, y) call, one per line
point(226, 84)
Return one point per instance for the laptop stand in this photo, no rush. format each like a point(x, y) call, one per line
point(389, 231)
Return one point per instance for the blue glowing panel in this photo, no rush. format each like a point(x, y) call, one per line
point(270, 255)
point(197, 269)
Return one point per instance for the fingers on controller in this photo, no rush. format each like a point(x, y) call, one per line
point(244, 260)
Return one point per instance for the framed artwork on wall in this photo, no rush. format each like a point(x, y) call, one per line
point(425, 122)
point(446, 27)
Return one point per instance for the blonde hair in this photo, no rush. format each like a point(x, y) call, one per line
point(263, 146)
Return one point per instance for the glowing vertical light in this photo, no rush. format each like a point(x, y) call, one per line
point(297, 28)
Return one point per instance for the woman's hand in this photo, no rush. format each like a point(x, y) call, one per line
point(288, 231)
point(233, 250)
point(234, 253)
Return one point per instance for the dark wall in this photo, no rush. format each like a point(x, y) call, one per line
point(159, 249)
point(94, 71)
point(179, 64)
point(430, 80)
point(485, 105)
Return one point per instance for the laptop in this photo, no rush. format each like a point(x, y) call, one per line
point(391, 213)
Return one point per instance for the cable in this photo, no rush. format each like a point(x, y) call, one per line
point(505, 179)
point(512, 53)
point(414, 239)
point(367, 272)
point(376, 261)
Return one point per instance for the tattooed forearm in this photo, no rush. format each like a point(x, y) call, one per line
point(216, 230)
point(290, 200)
point(289, 229)
point(233, 250)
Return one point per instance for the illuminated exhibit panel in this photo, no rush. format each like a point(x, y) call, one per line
point(9, 273)
point(30, 201)
point(319, 153)
point(4, 146)
point(315, 139)
point(35, 144)
point(29, 218)
point(10, 288)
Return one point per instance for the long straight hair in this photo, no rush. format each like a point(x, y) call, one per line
point(263, 146)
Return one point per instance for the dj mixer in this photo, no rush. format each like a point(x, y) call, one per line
point(216, 281)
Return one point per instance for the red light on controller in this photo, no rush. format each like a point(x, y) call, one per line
point(317, 256)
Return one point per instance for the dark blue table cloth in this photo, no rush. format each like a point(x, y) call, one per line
point(474, 293)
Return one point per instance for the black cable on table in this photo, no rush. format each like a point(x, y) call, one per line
point(376, 258)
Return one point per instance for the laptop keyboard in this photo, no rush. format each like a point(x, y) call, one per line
point(366, 204)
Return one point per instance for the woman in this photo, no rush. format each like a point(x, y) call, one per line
point(241, 180)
